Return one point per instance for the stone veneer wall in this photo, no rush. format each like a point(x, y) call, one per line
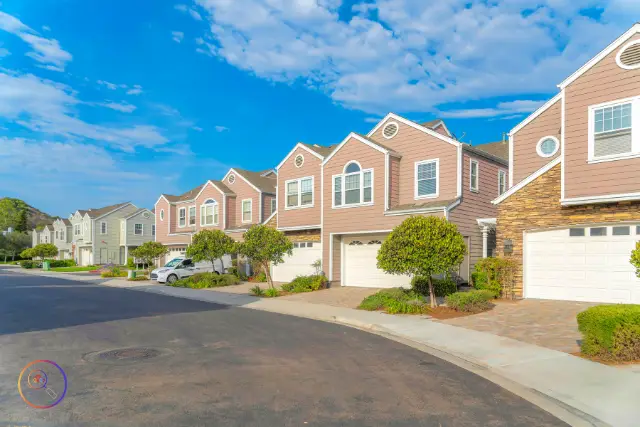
point(537, 206)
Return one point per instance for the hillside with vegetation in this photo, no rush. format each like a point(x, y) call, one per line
point(21, 216)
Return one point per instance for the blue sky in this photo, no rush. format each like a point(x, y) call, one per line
point(103, 102)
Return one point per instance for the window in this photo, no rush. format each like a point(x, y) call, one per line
point(274, 205)
point(576, 232)
point(303, 245)
point(502, 182)
point(192, 215)
point(299, 161)
point(57, 235)
point(209, 212)
point(611, 131)
point(103, 227)
point(246, 210)
point(548, 146)
point(162, 215)
point(300, 192)
point(138, 229)
point(153, 230)
point(62, 235)
point(182, 217)
point(473, 175)
point(76, 229)
point(621, 231)
point(426, 185)
point(353, 187)
point(598, 231)
point(637, 229)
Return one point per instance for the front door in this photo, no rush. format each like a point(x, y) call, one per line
point(103, 256)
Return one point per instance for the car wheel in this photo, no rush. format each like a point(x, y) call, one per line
point(172, 279)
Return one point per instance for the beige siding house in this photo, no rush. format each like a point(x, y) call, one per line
point(135, 230)
point(572, 216)
point(62, 237)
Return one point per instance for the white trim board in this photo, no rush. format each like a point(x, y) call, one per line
point(415, 126)
point(271, 216)
point(298, 145)
point(528, 180)
point(232, 170)
point(536, 113)
point(609, 198)
point(300, 227)
point(360, 139)
point(600, 56)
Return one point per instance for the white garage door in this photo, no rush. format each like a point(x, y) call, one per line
point(176, 253)
point(582, 264)
point(360, 264)
point(86, 256)
point(299, 263)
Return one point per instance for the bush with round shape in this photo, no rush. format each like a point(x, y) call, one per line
point(611, 331)
point(442, 287)
point(395, 301)
point(474, 301)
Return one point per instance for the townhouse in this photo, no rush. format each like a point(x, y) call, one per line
point(62, 238)
point(572, 214)
point(45, 235)
point(241, 199)
point(339, 203)
point(102, 236)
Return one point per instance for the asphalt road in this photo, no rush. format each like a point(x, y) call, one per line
point(227, 366)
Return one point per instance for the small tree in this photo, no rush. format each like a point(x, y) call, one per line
point(422, 246)
point(45, 250)
point(265, 246)
point(210, 245)
point(27, 254)
point(635, 259)
point(16, 243)
point(150, 252)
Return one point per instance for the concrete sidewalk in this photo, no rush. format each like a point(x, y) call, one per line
point(595, 393)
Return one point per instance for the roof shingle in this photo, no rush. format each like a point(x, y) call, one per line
point(263, 183)
point(498, 149)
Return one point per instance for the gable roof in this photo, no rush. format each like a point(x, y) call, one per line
point(416, 126)
point(184, 197)
point(365, 140)
point(498, 150)
point(318, 151)
point(603, 53)
point(324, 151)
point(222, 187)
point(138, 211)
point(436, 123)
point(94, 213)
point(262, 183)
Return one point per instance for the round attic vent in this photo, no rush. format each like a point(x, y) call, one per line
point(390, 130)
point(231, 179)
point(629, 56)
point(299, 160)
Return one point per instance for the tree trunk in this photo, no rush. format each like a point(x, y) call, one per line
point(268, 274)
point(432, 293)
point(221, 266)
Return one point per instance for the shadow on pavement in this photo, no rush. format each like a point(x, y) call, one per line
point(35, 303)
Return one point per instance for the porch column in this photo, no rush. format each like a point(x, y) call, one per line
point(126, 255)
point(485, 245)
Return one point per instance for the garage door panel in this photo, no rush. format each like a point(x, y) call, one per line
point(298, 264)
point(360, 264)
point(580, 268)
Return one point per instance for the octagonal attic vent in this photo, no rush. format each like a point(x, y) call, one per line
point(390, 130)
point(629, 56)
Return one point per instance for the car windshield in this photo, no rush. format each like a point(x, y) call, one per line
point(173, 262)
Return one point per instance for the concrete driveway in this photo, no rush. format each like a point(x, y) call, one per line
point(546, 323)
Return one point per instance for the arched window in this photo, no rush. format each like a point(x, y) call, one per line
point(352, 167)
point(209, 213)
point(354, 186)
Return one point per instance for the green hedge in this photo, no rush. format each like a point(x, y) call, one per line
point(395, 301)
point(473, 301)
point(206, 280)
point(306, 284)
point(611, 331)
point(441, 287)
point(29, 264)
point(62, 263)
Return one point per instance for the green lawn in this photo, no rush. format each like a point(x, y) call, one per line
point(74, 269)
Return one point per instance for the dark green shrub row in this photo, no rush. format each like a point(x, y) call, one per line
point(441, 287)
point(473, 301)
point(30, 264)
point(62, 263)
point(306, 284)
point(206, 280)
point(611, 331)
point(495, 274)
point(395, 301)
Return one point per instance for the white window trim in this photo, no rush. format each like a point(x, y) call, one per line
point(635, 130)
point(506, 187)
point(161, 214)
point(186, 221)
point(195, 216)
point(274, 205)
point(141, 228)
point(415, 179)
point(343, 193)
point(388, 124)
point(106, 228)
point(296, 158)
point(299, 205)
point(539, 146)
point(250, 211)
point(153, 229)
point(215, 206)
point(477, 188)
point(619, 54)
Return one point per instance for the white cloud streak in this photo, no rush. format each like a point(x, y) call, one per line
point(177, 36)
point(123, 107)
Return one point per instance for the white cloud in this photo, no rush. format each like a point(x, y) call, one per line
point(45, 51)
point(4, 52)
point(221, 128)
point(177, 36)
point(46, 28)
point(197, 128)
point(502, 109)
point(136, 90)
point(191, 11)
point(111, 86)
point(372, 120)
point(415, 55)
point(49, 107)
point(123, 107)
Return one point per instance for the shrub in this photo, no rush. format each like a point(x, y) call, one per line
point(496, 275)
point(395, 301)
point(256, 291)
point(441, 287)
point(611, 331)
point(62, 263)
point(473, 301)
point(114, 271)
point(27, 264)
point(206, 280)
point(635, 259)
point(306, 284)
point(260, 277)
point(138, 279)
point(271, 293)
point(131, 263)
